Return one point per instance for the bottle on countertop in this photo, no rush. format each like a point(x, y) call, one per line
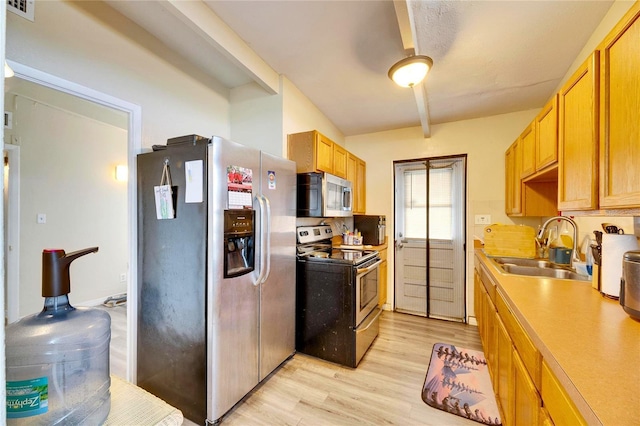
point(566, 235)
point(57, 361)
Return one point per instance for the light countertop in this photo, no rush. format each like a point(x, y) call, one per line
point(589, 342)
point(132, 405)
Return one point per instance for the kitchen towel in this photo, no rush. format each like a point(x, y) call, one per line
point(458, 382)
point(614, 246)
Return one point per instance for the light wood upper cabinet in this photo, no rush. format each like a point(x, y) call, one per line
point(547, 135)
point(539, 140)
point(357, 174)
point(314, 152)
point(620, 114)
point(339, 161)
point(324, 153)
point(578, 139)
point(513, 183)
point(509, 161)
point(528, 150)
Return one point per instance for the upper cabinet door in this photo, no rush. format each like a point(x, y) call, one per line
point(528, 149)
point(620, 114)
point(513, 183)
point(324, 154)
point(339, 161)
point(509, 161)
point(547, 135)
point(578, 139)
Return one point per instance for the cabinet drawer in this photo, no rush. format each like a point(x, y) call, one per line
point(530, 355)
point(557, 402)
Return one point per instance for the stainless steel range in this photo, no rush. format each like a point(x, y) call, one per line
point(337, 313)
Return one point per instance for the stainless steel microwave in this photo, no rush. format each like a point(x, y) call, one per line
point(323, 195)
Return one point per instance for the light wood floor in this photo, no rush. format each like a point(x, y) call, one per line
point(384, 389)
point(118, 347)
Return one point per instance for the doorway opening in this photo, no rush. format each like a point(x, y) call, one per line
point(134, 141)
point(430, 235)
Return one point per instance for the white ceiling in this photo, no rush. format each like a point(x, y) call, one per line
point(490, 57)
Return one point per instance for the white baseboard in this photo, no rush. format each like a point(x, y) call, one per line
point(96, 302)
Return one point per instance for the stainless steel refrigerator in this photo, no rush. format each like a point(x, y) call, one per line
point(216, 296)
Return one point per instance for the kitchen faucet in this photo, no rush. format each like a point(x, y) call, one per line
point(575, 257)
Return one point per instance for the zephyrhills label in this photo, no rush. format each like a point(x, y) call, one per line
point(26, 398)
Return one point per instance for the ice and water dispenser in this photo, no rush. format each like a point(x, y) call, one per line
point(239, 239)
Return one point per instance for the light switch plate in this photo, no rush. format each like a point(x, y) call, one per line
point(41, 218)
point(483, 219)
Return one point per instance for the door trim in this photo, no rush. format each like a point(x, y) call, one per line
point(134, 136)
point(12, 234)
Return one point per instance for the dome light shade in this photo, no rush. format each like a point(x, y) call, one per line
point(410, 71)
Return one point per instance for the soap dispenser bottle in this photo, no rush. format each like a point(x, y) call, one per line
point(57, 361)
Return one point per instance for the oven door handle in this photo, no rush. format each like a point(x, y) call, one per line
point(370, 322)
point(368, 268)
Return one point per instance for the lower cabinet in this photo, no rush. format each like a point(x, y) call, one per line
point(503, 361)
point(527, 391)
point(382, 290)
point(560, 407)
point(526, 400)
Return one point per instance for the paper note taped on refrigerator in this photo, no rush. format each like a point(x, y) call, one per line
point(510, 240)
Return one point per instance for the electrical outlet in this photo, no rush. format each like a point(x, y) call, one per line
point(123, 277)
point(483, 219)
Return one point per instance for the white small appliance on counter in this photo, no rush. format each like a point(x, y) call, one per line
point(614, 246)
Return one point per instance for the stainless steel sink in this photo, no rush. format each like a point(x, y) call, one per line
point(539, 263)
point(537, 268)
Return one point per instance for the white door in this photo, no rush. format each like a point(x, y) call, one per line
point(430, 238)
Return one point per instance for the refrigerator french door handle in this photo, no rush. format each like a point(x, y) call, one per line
point(267, 238)
point(261, 275)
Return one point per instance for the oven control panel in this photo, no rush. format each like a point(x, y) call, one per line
point(311, 234)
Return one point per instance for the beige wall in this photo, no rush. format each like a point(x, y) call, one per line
point(67, 169)
point(90, 44)
point(300, 115)
point(483, 140)
point(256, 119)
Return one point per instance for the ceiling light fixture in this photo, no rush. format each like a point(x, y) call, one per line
point(410, 71)
point(8, 72)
